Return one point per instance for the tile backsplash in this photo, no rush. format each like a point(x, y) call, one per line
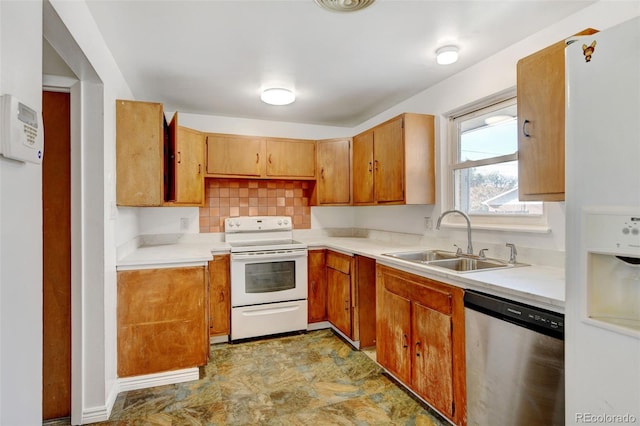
point(251, 197)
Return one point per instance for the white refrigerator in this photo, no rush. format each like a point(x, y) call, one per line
point(602, 313)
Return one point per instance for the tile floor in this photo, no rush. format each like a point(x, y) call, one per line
point(307, 379)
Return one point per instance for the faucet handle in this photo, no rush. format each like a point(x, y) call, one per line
point(458, 250)
point(514, 252)
point(482, 254)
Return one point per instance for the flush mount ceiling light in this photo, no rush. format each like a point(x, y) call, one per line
point(277, 96)
point(447, 55)
point(344, 5)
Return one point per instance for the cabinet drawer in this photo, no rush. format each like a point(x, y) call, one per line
point(339, 262)
point(418, 290)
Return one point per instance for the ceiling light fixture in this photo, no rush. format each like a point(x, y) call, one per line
point(447, 55)
point(344, 5)
point(278, 96)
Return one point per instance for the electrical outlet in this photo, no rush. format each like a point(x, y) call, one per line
point(184, 223)
point(428, 223)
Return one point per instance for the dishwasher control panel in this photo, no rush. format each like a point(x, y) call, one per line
point(538, 319)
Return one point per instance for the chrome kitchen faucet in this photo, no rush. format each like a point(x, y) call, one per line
point(463, 214)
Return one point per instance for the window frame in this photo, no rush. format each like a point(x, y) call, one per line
point(504, 222)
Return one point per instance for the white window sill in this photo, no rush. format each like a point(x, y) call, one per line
point(498, 227)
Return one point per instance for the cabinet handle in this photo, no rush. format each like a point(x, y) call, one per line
point(269, 158)
point(346, 305)
point(257, 157)
point(313, 287)
point(524, 129)
point(375, 163)
point(199, 168)
point(370, 167)
point(322, 173)
point(406, 343)
point(221, 299)
point(417, 348)
point(179, 158)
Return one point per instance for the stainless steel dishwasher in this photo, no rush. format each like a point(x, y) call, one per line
point(515, 363)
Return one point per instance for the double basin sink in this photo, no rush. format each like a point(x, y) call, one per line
point(452, 261)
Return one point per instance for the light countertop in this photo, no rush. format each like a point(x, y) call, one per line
point(538, 285)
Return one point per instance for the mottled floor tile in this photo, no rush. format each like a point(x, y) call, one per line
point(305, 379)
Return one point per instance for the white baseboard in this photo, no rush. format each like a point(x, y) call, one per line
point(102, 413)
point(95, 414)
point(158, 379)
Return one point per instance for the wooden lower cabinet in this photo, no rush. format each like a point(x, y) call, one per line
point(220, 295)
point(420, 338)
point(161, 320)
point(351, 296)
point(317, 291)
point(339, 301)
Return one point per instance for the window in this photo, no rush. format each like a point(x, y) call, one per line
point(484, 165)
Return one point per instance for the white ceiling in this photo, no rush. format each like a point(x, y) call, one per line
point(214, 57)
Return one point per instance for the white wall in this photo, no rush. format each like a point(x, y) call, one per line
point(70, 29)
point(21, 226)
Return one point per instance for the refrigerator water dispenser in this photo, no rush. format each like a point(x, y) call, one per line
point(613, 270)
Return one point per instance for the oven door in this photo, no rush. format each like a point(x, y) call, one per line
point(267, 277)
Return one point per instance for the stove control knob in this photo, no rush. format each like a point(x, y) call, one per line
point(286, 221)
point(237, 223)
point(279, 222)
point(229, 223)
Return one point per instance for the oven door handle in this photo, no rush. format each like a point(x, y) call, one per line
point(276, 254)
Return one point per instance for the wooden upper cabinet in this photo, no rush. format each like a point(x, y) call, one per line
point(291, 158)
point(234, 155)
point(256, 157)
point(541, 123)
point(388, 161)
point(394, 163)
point(189, 167)
point(363, 168)
point(140, 144)
point(333, 186)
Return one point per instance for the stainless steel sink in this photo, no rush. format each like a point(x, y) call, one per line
point(463, 264)
point(423, 256)
point(452, 261)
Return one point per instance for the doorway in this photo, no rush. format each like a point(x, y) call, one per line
point(56, 229)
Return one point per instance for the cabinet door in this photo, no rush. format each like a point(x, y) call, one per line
point(365, 287)
point(161, 320)
point(231, 155)
point(219, 296)
point(363, 168)
point(388, 162)
point(334, 168)
point(140, 130)
point(339, 300)
point(432, 374)
point(317, 292)
point(291, 158)
point(393, 331)
point(541, 104)
point(189, 166)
